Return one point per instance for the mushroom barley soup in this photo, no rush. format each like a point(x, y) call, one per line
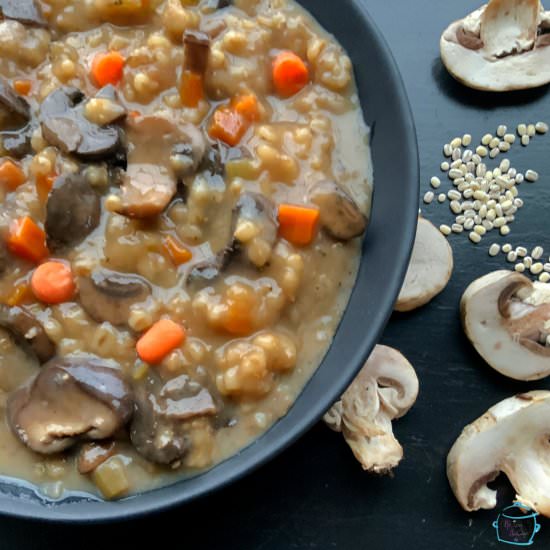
point(185, 184)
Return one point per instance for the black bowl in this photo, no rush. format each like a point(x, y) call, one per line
point(385, 257)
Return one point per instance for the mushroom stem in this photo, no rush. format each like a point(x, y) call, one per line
point(385, 389)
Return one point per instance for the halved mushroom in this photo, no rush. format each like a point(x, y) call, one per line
point(24, 11)
point(27, 331)
point(162, 153)
point(71, 399)
point(72, 212)
point(430, 268)
point(107, 296)
point(16, 124)
point(500, 47)
point(339, 214)
point(163, 415)
point(507, 319)
point(64, 125)
point(512, 438)
point(384, 390)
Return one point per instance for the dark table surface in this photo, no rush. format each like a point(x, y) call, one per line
point(315, 495)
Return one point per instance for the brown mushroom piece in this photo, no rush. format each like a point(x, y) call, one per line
point(339, 214)
point(254, 228)
point(27, 332)
point(197, 51)
point(17, 127)
point(71, 399)
point(24, 11)
point(512, 438)
point(384, 390)
point(430, 268)
point(64, 125)
point(507, 319)
point(162, 153)
point(500, 47)
point(160, 430)
point(73, 211)
point(107, 296)
point(92, 455)
point(253, 232)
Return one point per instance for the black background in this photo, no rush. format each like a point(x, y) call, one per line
point(315, 496)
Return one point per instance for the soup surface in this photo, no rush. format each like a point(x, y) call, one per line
point(184, 186)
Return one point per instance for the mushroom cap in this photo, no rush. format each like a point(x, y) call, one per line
point(503, 315)
point(27, 331)
point(71, 398)
point(490, 62)
point(24, 11)
point(65, 126)
point(513, 438)
point(107, 296)
point(430, 268)
point(340, 215)
point(384, 390)
point(73, 211)
point(163, 417)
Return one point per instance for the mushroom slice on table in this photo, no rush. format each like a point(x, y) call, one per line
point(107, 296)
point(340, 216)
point(430, 268)
point(512, 438)
point(72, 398)
point(507, 319)
point(385, 389)
point(500, 47)
point(73, 211)
point(27, 332)
point(163, 416)
point(24, 11)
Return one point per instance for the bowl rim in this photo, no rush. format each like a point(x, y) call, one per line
point(253, 456)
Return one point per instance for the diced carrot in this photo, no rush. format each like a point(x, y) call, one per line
point(11, 175)
point(161, 339)
point(21, 294)
point(191, 89)
point(44, 185)
point(53, 282)
point(247, 106)
point(298, 224)
point(228, 126)
point(22, 87)
point(290, 74)
point(27, 240)
point(134, 114)
point(108, 68)
point(178, 253)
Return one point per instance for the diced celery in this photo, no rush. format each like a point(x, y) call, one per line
point(110, 478)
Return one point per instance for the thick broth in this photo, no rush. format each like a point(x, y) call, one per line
point(298, 296)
